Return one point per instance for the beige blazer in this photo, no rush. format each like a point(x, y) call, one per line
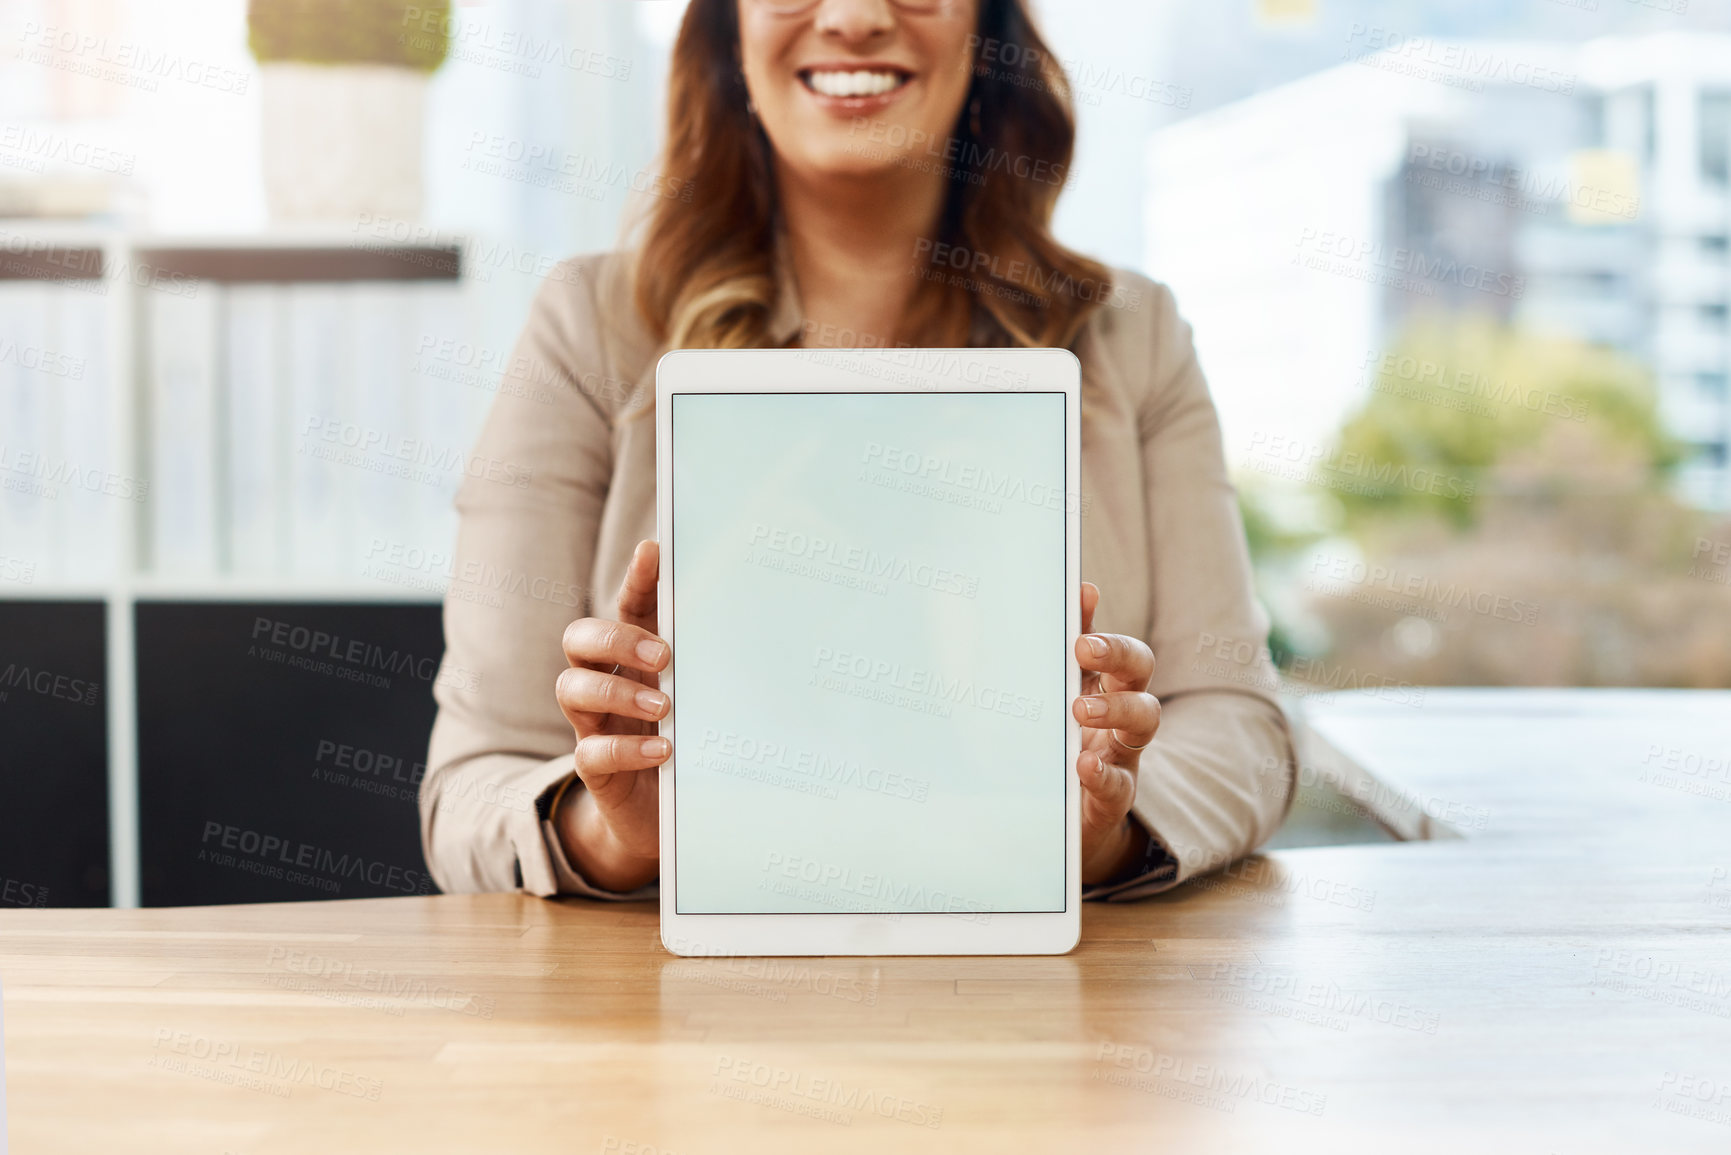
point(561, 487)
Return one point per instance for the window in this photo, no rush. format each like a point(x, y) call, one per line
point(1649, 126)
point(1716, 136)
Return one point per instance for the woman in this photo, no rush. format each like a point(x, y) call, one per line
point(842, 172)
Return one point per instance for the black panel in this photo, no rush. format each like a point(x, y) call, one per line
point(53, 755)
point(280, 748)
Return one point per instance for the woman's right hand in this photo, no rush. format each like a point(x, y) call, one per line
point(611, 828)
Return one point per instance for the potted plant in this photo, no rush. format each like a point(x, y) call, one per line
point(344, 96)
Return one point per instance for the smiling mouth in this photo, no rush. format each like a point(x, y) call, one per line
point(855, 84)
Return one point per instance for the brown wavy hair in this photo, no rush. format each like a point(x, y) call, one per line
point(703, 271)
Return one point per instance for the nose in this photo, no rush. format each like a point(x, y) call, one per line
point(854, 20)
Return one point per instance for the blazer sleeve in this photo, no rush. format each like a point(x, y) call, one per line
point(1217, 780)
point(529, 510)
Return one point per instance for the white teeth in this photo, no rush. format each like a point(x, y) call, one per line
point(853, 83)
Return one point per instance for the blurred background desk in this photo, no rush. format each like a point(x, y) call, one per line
point(1558, 980)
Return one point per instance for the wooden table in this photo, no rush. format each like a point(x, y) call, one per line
point(1559, 981)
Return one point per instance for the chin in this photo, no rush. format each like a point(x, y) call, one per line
point(853, 160)
point(867, 145)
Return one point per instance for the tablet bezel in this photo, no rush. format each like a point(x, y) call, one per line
point(748, 371)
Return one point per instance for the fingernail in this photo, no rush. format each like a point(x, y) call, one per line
point(651, 650)
point(1093, 707)
point(1097, 646)
point(656, 747)
point(651, 701)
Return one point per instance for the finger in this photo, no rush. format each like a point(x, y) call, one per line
point(1132, 716)
point(599, 756)
point(637, 591)
point(586, 695)
point(600, 644)
point(1090, 603)
point(1127, 660)
point(1111, 788)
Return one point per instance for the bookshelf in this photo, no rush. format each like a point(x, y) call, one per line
point(189, 419)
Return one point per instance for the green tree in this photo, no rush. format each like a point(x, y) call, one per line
point(1570, 562)
point(1460, 399)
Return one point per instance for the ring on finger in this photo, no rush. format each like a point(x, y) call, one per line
point(1118, 737)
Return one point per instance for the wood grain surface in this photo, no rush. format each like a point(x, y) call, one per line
point(1557, 981)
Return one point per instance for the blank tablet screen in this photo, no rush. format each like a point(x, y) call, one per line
point(870, 652)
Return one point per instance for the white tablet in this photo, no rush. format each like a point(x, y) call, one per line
point(870, 581)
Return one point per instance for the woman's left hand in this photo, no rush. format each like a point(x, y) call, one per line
point(1119, 718)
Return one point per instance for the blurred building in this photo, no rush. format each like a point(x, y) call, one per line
point(1580, 190)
